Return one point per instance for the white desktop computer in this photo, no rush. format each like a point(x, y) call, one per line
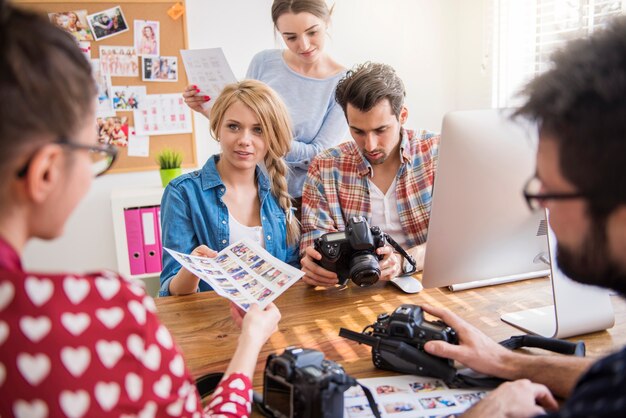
point(481, 230)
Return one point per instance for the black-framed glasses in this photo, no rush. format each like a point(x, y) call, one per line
point(102, 156)
point(534, 197)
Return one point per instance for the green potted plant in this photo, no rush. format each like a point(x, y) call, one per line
point(169, 160)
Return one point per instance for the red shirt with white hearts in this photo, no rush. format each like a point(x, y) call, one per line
point(92, 346)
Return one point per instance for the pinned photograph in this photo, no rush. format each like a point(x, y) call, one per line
point(75, 22)
point(155, 68)
point(119, 61)
point(113, 131)
point(103, 83)
point(107, 23)
point(124, 98)
point(147, 37)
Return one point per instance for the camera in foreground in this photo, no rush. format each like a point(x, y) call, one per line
point(398, 339)
point(300, 383)
point(352, 253)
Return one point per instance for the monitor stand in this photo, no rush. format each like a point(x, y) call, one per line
point(578, 308)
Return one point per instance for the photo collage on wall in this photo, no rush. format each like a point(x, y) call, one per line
point(141, 59)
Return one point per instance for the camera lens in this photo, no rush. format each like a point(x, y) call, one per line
point(364, 269)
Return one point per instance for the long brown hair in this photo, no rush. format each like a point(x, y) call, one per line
point(276, 127)
point(317, 8)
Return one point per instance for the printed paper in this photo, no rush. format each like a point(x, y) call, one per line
point(163, 114)
point(209, 70)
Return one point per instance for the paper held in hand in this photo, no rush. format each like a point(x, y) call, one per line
point(242, 272)
point(209, 70)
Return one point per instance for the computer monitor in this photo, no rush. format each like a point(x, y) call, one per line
point(481, 230)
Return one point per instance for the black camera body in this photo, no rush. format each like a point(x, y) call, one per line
point(398, 339)
point(301, 383)
point(352, 253)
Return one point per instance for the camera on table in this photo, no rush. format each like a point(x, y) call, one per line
point(398, 339)
point(352, 253)
point(301, 383)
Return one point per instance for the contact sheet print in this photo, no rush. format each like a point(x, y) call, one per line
point(408, 396)
point(243, 272)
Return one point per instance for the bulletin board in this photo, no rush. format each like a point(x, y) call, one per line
point(173, 38)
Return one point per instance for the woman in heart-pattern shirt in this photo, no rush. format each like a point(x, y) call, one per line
point(80, 345)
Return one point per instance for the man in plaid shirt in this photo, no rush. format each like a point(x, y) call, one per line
point(385, 175)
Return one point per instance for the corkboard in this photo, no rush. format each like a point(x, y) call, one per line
point(173, 38)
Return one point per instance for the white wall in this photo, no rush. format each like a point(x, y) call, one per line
point(437, 47)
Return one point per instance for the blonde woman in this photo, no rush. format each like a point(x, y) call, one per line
point(239, 193)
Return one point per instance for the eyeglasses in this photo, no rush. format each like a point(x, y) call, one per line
point(535, 199)
point(102, 156)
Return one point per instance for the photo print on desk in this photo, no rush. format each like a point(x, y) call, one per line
point(119, 61)
point(75, 22)
point(107, 23)
point(147, 37)
point(156, 68)
point(231, 273)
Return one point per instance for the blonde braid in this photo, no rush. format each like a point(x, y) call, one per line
point(277, 171)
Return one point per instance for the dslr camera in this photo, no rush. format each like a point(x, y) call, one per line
point(352, 253)
point(398, 339)
point(300, 383)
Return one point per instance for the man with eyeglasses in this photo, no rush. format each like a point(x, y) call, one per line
point(580, 107)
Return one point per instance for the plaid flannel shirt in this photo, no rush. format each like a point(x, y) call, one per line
point(337, 188)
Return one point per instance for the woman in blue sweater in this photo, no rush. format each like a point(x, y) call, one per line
point(305, 76)
point(239, 193)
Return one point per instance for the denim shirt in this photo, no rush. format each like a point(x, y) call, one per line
point(193, 213)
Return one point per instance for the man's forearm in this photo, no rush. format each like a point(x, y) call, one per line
point(558, 373)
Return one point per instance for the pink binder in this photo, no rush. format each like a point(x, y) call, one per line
point(150, 230)
point(132, 220)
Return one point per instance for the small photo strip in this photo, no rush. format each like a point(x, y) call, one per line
point(156, 68)
point(107, 23)
point(147, 37)
point(119, 61)
point(75, 22)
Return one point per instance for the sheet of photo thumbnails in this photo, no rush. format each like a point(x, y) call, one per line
point(410, 397)
point(242, 272)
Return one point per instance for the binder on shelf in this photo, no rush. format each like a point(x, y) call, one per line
point(159, 236)
point(134, 239)
point(150, 232)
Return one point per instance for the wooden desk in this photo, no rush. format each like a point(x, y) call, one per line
point(311, 318)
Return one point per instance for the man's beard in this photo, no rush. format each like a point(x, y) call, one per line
point(593, 264)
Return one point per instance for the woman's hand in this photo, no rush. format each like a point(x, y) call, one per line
point(195, 100)
point(257, 325)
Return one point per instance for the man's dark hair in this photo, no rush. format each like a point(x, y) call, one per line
point(46, 85)
point(581, 104)
point(367, 84)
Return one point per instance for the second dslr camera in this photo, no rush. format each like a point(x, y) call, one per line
point(352, 253)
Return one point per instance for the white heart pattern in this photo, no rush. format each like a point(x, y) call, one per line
point(107, 287)
point(4, 332)
point(177, 366)
point(152, 357)
point(76, 324)
point(238, 399)
point(138, 311)
point(228, 407)
point(76, 360)
point(148, 411)
point(163, 387)
point(107, 395)
point(39, 291)
point(7, 291)
point(34, 368)
point(175, 409)
point(149, 304)
point(109, 352)
point(35, 328)
point(74, 404)
point(191, 403)
point(76, 289)
point(110, 317)
point(136, 346)
point(137, 289)
point(237, 384)
point(35, 409)
point(134, 386)
point(164, 337)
